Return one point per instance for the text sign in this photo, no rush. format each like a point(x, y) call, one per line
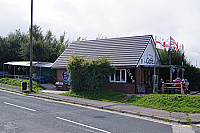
point(65, 75)
point(149, 59)
point(130, 75)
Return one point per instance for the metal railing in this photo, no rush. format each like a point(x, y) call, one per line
point(16, 76)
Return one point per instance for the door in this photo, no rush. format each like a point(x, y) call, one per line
point(147, 78)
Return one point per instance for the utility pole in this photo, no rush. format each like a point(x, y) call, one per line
point(31, 47)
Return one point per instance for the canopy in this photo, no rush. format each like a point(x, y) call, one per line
point(27, 63)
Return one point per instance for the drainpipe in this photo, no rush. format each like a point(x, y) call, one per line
point(135, 80)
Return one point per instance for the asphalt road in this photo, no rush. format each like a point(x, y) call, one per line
point(20, 114)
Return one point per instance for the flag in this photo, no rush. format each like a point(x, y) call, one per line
point(173, 44)
point(163, 44)
point(173, 70)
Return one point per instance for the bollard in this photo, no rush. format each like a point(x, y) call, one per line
point(24, 86)
point(182, 91)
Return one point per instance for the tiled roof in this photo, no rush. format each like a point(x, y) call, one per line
point(122, 51)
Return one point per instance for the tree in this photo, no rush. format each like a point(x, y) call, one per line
point(176, 58)
point(16, 46)
point(10, 46)
point(100, 36)
point(45, 47)
point(62, 44)
point(81, 39)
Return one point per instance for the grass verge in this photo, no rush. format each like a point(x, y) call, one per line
point(171, 103)
point(168, 102)
point(17, 82)
point(101, 95)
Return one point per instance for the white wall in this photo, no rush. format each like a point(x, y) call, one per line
point(148, 57)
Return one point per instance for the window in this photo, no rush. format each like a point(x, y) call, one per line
point(123, 75)
point(112, 77)
point(118, 76)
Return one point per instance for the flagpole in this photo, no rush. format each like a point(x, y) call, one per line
point(182, 61)
point(170, 61)
point(154, 86)
point(177, 50)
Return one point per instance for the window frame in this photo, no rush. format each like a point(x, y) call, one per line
point(121, 81)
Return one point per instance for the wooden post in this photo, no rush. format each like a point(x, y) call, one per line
point(163, 88)
point(182, 91)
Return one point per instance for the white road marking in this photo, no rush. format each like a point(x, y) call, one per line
point(19, 106)
point(83, 125)
point(178, 129)
point(198, 125)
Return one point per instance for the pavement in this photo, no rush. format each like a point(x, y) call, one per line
point(53, 94)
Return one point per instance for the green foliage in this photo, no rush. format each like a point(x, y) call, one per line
point(192, 73)
point(10, 47)
point(77, 67)
point(172, 103)
point(99, 71)
point(45, 47)
point(88, 75)
point(17, 82)
point(102, 95)
point(176, 58)
point(16, 46)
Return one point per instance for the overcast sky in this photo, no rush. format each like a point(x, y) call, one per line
point(110, 18)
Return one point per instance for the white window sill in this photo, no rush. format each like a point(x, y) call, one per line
point(118, 81)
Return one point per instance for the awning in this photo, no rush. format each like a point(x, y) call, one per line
point(27, 63)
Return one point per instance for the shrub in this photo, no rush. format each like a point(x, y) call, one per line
point(91, 75)
point(99, 71)
point(77, 67)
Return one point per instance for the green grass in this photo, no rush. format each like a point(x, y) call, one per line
point(172, 103)
point(168, 102)
point(17, 82)
point(101, 95)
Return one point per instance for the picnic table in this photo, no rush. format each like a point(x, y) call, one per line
point(62, 86)
point(172, 86)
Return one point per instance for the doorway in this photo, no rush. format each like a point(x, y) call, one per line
point(147, 78)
